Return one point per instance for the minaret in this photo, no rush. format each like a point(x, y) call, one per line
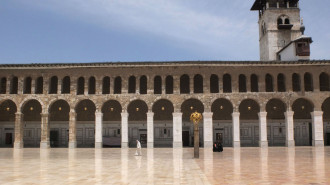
point(279, 25)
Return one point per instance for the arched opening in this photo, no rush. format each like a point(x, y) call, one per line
point(269, 83)
point(169, 85)
point(137, 123)
point(226, 83)
point(184, 84)
point(198, 84)
point(187, 108)
point(117, 89)
point(324, 82)
point(85, 110)
point(287, 21)
point(296, 82)
point(27, 85)
point(222, 121)
point(7, 123)
point(143, 85)
point(3, 86)
point(281, 83)
point(279, 21)
point(59, 124)
point(302, 122)
point(39, 85)
point(308, 81)
point(242, 83)
point(249, 123)
point(163, 123)
point(91, 85)
point(106, 85)
point(214, 83)
point(275, 122)
point(66, 83)
point(53, 85)
point(326, 121)
point(32, 123)
point(111, 123)
point(14, 85)
point(132, 84)
point(254, 83)
point(81, 86)
point(158, 85)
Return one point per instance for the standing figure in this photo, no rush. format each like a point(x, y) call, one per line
point(138, 148)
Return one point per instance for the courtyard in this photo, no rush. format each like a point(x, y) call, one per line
point(273, 165)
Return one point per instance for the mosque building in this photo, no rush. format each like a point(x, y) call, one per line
point(281, 100)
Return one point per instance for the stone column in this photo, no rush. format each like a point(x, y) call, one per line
point(44, 143)
point(72, 130)
point(177, 130)
point(318, 133)
point(18, 143)
point(289, 129)
point(208, 129)
point(263, 129)
point(236, 130)
point(150, 129)
point(124, 130)
point(98, 129)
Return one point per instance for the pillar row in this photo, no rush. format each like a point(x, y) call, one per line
point(44, 143)
point(18, 143)
point(124, 130)
point(289, 129)
point(72, 130)
point(98, 130)
point(236, 130)
point(208, 129)
point(263, 129)
point(150, 129)
point(318, 135)
point(177, 130)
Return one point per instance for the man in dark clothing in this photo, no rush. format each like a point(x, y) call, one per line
point(219, 147)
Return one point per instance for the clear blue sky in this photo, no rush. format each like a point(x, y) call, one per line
point(73, 31)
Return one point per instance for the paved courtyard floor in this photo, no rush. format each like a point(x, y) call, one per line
point(280, 165)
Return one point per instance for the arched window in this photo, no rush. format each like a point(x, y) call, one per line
point(226, 83)
point(143, 85)
point(66, 85)
point(3, 86)
point(287, 21)
point(14, 85)
point(169, 85)
point(254, 83)
point(157, 85)
point(324, 82)
point(106, 85)
point(53, 85)
point(91, 85)
point(269, 83)
point(279, 21)
point(184, 84)
point(214, 84)
point(242, 83)
point(40, 85)
point(81, 86)
point(281, 83)
point(296, 82)
point(132, 84)
point(117, 87)
point(198, 84)
point(308, 81)
point(27, 85)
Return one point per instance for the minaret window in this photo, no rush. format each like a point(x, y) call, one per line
point(283, 23)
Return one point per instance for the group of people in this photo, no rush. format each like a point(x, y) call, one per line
point(217, 147)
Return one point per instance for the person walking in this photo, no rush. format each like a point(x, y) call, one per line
point(138, 148)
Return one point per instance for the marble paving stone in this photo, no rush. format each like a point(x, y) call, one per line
point(273, 165)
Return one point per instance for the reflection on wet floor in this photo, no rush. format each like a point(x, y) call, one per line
point(280, 165)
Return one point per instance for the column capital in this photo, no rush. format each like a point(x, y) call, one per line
point(317, 113)
point(44, 114)
point(288, 113)
point(124, 114)
point(235, 114)
point(262, 114)
point(18, 114)
point(207, 114)
point(98, 113)
point(177, 114)
point(150, 114)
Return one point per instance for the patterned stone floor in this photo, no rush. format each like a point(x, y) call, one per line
point(300, 165)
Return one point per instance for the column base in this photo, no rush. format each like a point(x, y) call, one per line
point(318, 143)
point(72, 144)
point(44, 144)
point(18, 145)
point(177, 144)
point(124, 145)
point(150, 145)
point(236, 144)
point(208, 144)
point(290, 143)
point(98, 144)
point(263, 144)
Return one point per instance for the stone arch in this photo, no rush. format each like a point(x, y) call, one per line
point(269, 83)
point(169, 84)
point(143, 84)
point(302, 108)
point(8, 109)
point(85, 110)
point(249, 109)
point(184, 84)
point(158, 85)
point(106, 85)
point(132, 84)
point(296, 82)
point(59, 110)
point(242, 83)
point(66, 83)
point(275, 109)
point(227, 84)
point(31, 110)
point(163, 109)
point(24, 101)
point(254, 83)
point(111, 110)
point(189, 106)
point(27, 85)
point(222, 109)
point(91, 85)
point(214, 83)
point(53, 85)
point(3, 85)
point(198, 83)
point(140, 108)
point(324, 82)
point(281, 85)
point(308, 82)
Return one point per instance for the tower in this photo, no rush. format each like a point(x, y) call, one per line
point(279, 28)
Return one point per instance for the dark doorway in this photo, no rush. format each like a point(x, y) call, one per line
point(328, 139)
point(310, 134)
point(218, 137)
point(9, 138)
point(143, 139)
point(185, 138)
point(54, 139)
